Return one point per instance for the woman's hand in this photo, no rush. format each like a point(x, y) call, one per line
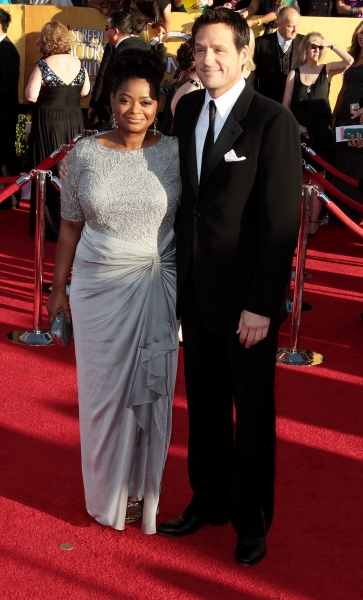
point(358, 143)
point(303, 131)
point(326, 44)
point(358, 113)
point(58, 302)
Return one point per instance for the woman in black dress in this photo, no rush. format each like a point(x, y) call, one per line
point(55, 86)
point(349, 159)
point(307, 96)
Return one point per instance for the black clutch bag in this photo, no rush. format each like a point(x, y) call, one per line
point(61, 330)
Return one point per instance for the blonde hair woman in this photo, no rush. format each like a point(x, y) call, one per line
point(55, 88)
point(307, 96)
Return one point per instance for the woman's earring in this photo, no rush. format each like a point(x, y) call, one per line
point(114, 122)
point(155, 125)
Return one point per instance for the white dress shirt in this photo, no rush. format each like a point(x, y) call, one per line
point(282, 41)
point(224, 105)
point(2, 37)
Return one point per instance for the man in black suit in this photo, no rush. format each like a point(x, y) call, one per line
point(236, 234)
point(122, 30)
point(276, 54)
point(9, 79)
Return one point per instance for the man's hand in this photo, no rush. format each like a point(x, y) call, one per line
point(252, 328)
point(63, 169)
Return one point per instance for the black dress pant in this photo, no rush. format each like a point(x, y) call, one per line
point(231, 469)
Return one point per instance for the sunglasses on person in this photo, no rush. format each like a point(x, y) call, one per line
point(107, 27)
point(316, 47)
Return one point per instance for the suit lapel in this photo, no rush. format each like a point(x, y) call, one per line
point(231, 130)
point(274, 48)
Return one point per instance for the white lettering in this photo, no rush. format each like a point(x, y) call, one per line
point(89, 52)
point(171, 64)
point(97, 53)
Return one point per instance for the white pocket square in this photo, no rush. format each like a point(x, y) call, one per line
point(231, 156)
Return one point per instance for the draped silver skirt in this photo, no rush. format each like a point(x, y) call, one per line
point(126, 339)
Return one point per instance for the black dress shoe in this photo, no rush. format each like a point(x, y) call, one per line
point(249, 551)
point(186, 524)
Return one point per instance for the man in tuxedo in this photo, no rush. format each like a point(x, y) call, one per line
point(120, 36)
point(236, 233)
point(276, 54)
point(9, 78)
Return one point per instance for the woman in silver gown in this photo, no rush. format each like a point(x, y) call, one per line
point(118, 207)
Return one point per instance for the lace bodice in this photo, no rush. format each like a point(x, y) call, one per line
point(131, 195)
point(49, 78)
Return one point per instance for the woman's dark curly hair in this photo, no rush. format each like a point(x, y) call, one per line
point(138, 64)
point(185, 56)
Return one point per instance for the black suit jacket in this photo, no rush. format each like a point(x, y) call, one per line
point(269, 80)
point(101, 95)
point(9, 78)
point(97, 88)
point(240, 227)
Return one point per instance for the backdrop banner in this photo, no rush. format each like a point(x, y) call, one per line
point(88, 36)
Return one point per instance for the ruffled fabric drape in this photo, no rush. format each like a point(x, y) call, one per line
point(123, 307)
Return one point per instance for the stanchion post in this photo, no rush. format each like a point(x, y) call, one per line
point(39, 251)
point(39, 336)
point(294, 356)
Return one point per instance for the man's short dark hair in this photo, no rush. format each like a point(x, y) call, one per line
point(5, 19)
point(138, 21)
point(122, 20)
point(229, 18)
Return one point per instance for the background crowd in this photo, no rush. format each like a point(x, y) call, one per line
point(281, 54)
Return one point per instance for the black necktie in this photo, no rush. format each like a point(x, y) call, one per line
point(209, 138)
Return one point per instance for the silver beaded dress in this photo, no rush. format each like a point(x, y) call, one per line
point(123, 296)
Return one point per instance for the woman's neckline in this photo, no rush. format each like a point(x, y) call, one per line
point(131, 150)
point(309, 85)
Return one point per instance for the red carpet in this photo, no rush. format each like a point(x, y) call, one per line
point(314, 546)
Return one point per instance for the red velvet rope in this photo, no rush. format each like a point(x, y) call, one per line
point(343, 217)
point(10, 189)
point(329, 167)
point(337, 193)
point(47, 164)
point(9, 179)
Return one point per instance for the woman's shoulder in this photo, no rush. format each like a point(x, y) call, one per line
point(84, 148)
point(170, 144)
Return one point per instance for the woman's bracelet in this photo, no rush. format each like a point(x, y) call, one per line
point(353, 10)
point(259, 22)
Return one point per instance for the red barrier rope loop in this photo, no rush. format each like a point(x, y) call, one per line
point(329, 167)
point(55, 181)
point(339, 213)
point(47, 164)
point(331, 188)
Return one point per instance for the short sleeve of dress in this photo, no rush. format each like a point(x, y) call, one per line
point(70, 206)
